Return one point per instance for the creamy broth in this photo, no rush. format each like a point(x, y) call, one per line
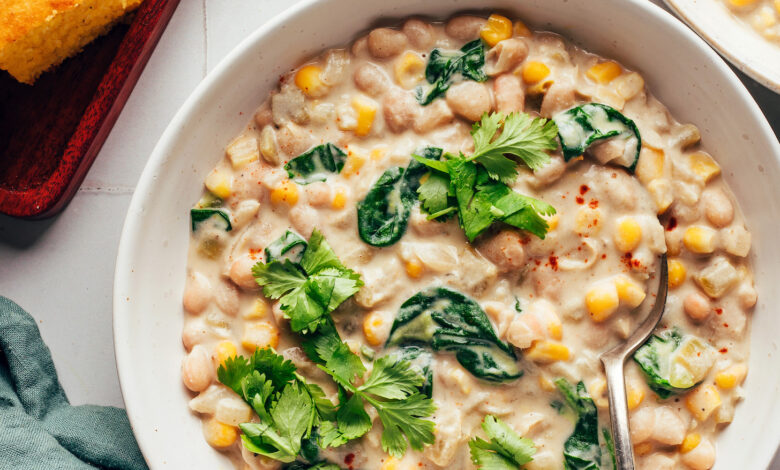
point(761, 15)
point(558, 301)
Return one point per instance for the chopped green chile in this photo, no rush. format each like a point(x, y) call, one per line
point(197, 216)
point(444, 67)
point(316, 164)
point(384, 213)
point(581, 126)
point(446, 320)
point(289, 246)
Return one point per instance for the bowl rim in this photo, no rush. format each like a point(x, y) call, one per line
point(725, 48)
point(131, 236)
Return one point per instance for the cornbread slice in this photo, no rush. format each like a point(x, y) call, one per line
point(38, 34)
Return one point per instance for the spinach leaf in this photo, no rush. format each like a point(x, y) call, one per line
point(447, 320)
point(384, 213)
point(581, 451)
point(199, 215)
point(580, 126)
point(315, 164)
point(289, 246)
point(443, 67)
point(674, 362)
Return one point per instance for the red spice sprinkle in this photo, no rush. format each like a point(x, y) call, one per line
point(349, 458)
point(580, 200)
point(725, 325)
point(554, 263)
point(593, 203)
point(584, 189)
point(672, 224)
point(538, 262)
point(604, 256)
point(719, 311)
point(723, 350)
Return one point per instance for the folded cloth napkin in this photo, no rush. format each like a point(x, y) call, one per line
point(39, 429)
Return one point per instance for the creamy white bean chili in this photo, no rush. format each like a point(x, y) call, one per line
point(414, 254)
point(761, 15)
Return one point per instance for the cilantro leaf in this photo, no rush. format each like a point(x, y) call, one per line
point(325, 347)
point(521, 136)
point(505, 450)
point(434, 195)
point(404, 418)
point(392, 378)
point(311, 289)
point(353, 421)
point(263, 361)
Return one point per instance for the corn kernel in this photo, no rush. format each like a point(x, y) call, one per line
point(540, 88)
point(309, 80)
point(555, 328)
point(219, 435)
point(462, 379)
point(224, 350)
point(260, 335)
point(496, 29)
point(741, 3)
point(643, 448)
point(390, 464)
point(702, 401)
point(547, 351)
point(243, 151)
point(699, 239)
point(353, 164)
point(286, 192)
point(661, 191)
point(631, 293)
point(409, 70)
point(604, 72)
point(339, 199)
point(522, 30)
point(220, 184)
point(535, 71)
point(598, 389)
point(258, 311)
point(731, 377)
point(552, 222)
point(366, 111)
point(676, 273)
point(777, 6)
point(650, 165)
point(546, 384)
point(703, 166)
point(602, 301)
point(373, 324)
point(634, 397)
point(690, 442)
point(628, 234)
point(378, 153)
point(414, 269)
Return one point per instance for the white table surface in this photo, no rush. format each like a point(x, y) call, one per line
point(61, 270)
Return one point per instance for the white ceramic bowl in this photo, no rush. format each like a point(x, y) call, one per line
point(735, 40)
point(678, 67)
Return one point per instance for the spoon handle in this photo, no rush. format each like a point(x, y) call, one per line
point(618, 412)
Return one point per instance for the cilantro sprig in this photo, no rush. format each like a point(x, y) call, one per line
point(392, 388)
point(476, 186)
point(310, 289)
point(505, 450)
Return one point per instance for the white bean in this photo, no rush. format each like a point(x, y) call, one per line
point(197, 293)
point(241, 272)
point(549, 173)
point(509, 93)
point(641, 424)
point(247, 209)
point(560, 96)
point(386, 42)
point(227, 298)
point(293, 139)
point(318, 194)
point(399, 110)
point(702, 457)
point(469, 100)
point(697, 306)
point(263, 115)
point(717, 207)
point(304, 219)
point(432, 116)
point(370, 79)
point(505, 250)
point(747, 295)
point(505, 56)
point(419, 33)
point(424, 227)
point(194, 333)
point(196, 370)
point(464, 27)
point(669, 428)
point(657, 462)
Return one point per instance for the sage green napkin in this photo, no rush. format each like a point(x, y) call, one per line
point(39, 429)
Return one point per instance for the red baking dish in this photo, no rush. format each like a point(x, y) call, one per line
point(50, 133)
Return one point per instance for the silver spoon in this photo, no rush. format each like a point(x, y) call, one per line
point(613, 361)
